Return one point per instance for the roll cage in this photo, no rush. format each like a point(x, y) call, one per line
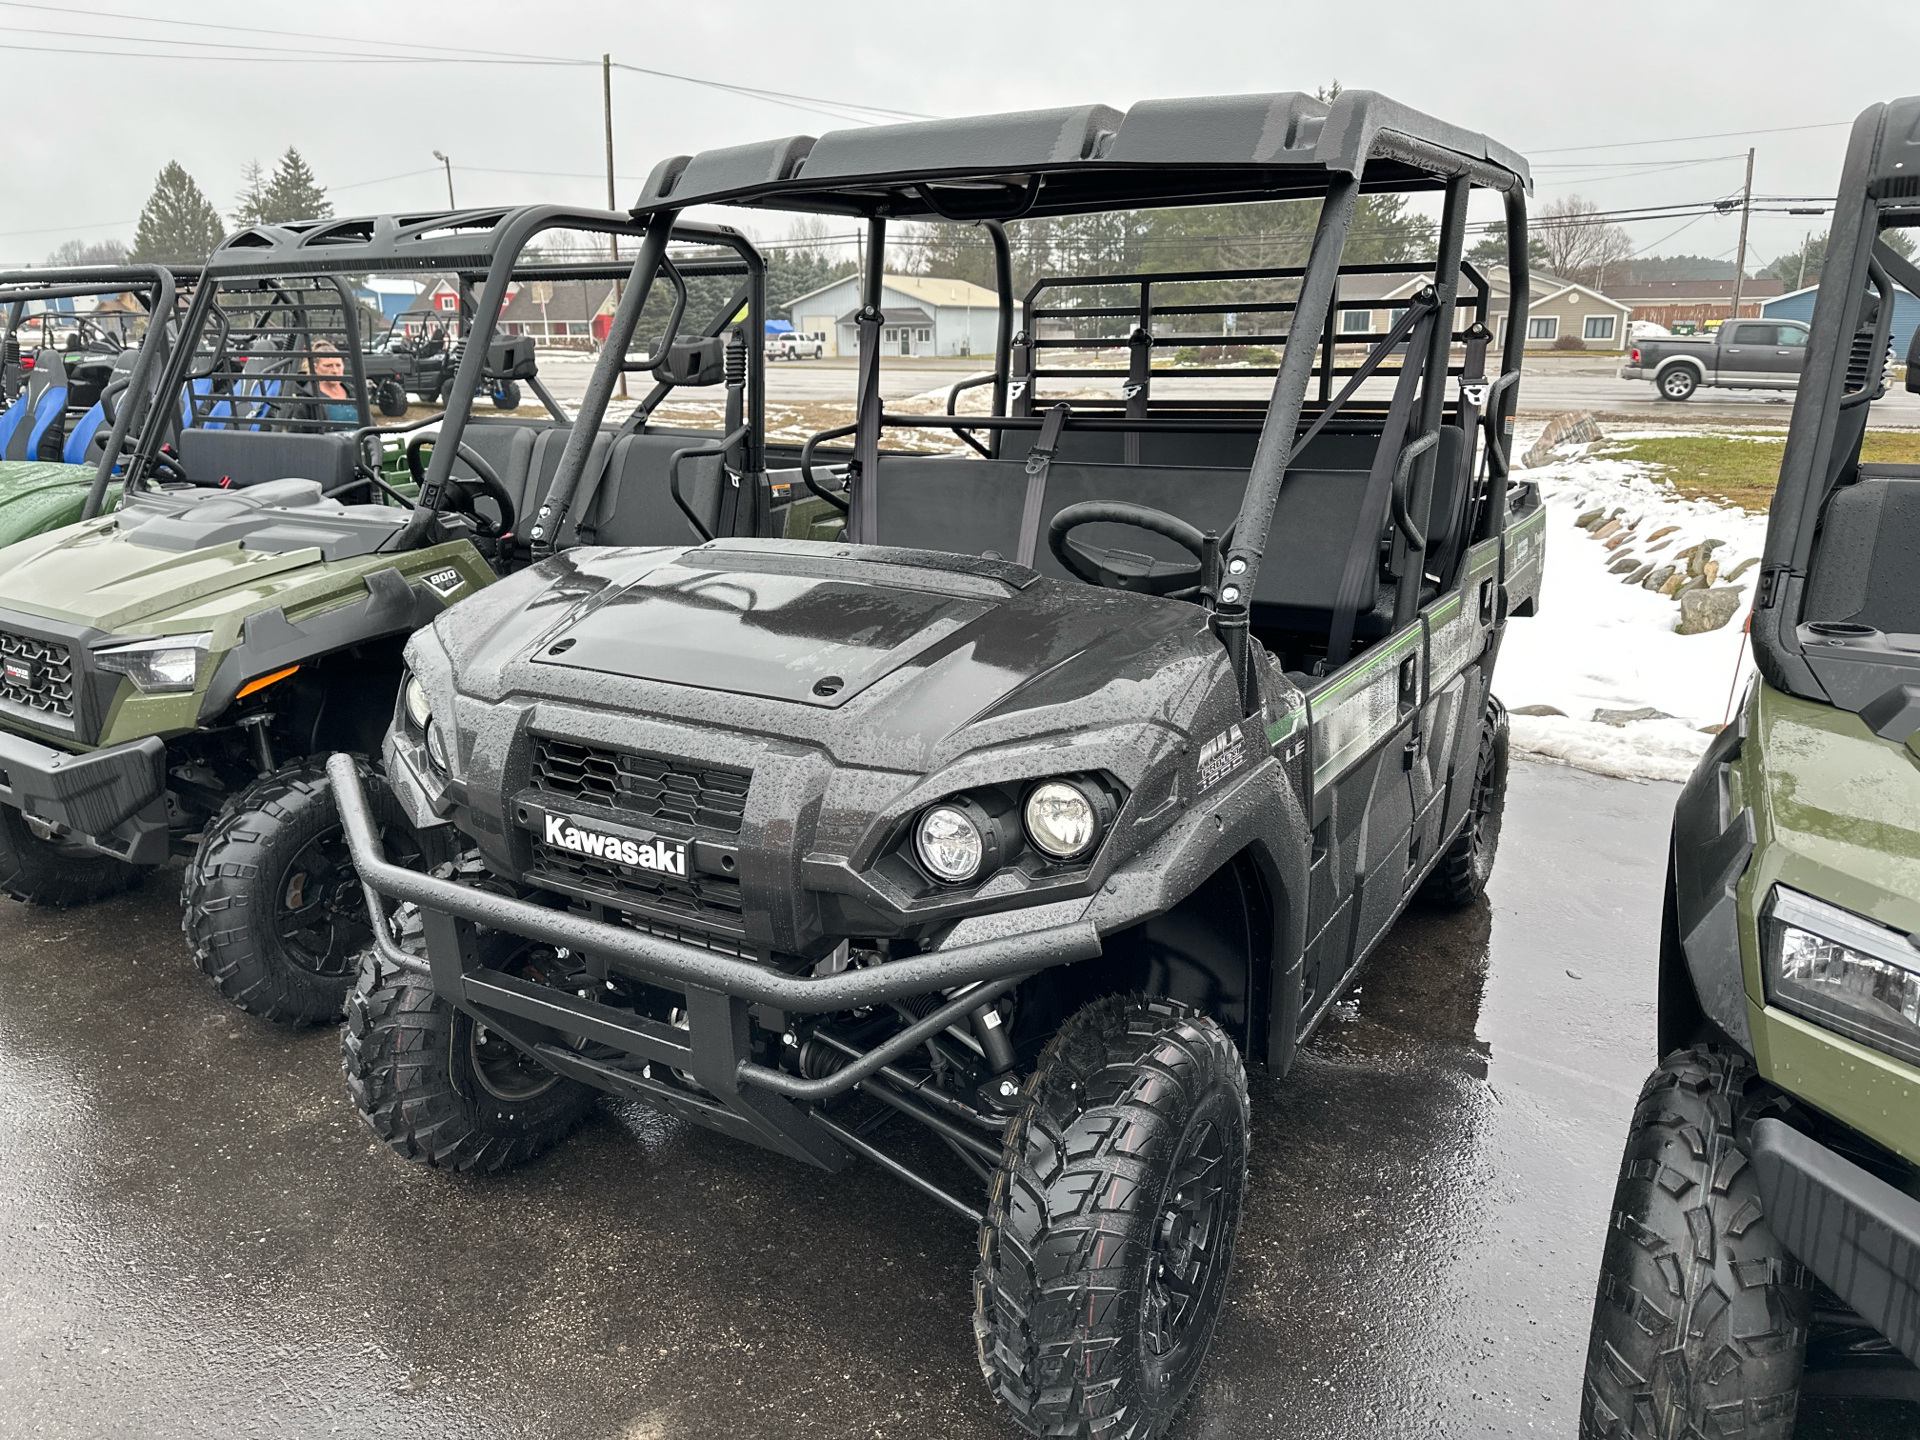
point(995, 169)
point(1847, 355)
point(158, 289)
point(283, 290)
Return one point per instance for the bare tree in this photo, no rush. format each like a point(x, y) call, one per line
point(1580, 245)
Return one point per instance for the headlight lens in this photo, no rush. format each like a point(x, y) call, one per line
point(415, 696)
point(1061, 820)
point(436, 746)
point(949, 844)
point(164, 663)
point(1844, 971)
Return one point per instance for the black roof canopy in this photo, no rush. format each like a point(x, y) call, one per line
point(449, 241)
point(1092, 157)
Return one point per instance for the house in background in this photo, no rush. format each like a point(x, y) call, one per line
point(437, 305)
point(389, 294)
point(924, 315)
point(1665, 302)
point(1799, 306)
point(571, 313)
point(1556, 308)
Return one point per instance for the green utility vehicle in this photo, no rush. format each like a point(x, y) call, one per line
point(75, 388)
point(1765, 1237)
point(175, 671)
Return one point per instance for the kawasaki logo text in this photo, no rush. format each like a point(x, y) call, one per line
point(663, 857)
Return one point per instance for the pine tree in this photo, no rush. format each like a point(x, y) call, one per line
point(179, 224)
point(293, 193)
point(250, 204)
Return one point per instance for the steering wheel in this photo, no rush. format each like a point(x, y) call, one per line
point(489, 482)
point(1116, 569)
point(170, 467)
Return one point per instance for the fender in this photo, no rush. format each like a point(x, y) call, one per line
point(1701, 976)
point(1261, 817)
point(1693, 364)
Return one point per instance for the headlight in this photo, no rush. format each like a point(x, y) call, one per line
point(415, 696)
point(1061, 821)
point(1843, 971)
point(436, 746)
point(166, 662)
point(949, 844)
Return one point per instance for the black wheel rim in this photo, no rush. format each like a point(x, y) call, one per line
point(503, 1070)
point(320, 906)
point(320, 911)
point(1188, 1244)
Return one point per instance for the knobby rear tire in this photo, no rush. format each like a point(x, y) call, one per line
point(1464, 868)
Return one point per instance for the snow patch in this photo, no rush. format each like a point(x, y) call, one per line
point(1600, 644)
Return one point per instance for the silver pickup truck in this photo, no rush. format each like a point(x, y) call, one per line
point(1740, 355)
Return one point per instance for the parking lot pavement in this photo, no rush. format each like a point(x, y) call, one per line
point(201, 1239)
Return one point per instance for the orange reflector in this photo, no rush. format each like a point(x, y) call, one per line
point(264, 681)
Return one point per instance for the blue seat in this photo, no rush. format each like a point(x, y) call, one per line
point(74, 451)
point(39, 408)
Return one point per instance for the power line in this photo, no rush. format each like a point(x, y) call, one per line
point(1677, 139)
point(437, 54)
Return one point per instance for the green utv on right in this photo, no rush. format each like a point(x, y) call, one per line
point(1765, 1235)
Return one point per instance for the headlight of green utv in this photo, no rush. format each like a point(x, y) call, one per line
point(1843, 971)
point(1061, 820)
point(164, 663)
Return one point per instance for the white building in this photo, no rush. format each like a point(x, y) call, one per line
point(924, 315)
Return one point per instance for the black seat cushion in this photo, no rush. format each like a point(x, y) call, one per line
point(235, 459)
point(1866, 570)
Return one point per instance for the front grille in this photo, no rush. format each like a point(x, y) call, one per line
point(704, 900)
point(36, 674)
point(711, 797)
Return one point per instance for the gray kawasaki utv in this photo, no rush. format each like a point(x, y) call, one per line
point(1082, 772)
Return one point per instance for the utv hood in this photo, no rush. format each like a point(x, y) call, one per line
point(901, 641)
point(89, 575)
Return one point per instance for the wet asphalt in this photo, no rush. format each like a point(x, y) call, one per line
point(201, 1240)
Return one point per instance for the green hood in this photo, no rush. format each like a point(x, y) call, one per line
point(37, 496)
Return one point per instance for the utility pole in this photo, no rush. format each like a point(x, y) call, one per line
point(606, 103)
point(1740, 259)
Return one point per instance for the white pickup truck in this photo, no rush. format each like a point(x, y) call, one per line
point(1740, 355)
point(796, 345)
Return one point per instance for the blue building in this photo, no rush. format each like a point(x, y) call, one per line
point(1798, 305)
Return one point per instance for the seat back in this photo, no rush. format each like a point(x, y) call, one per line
point(508, 450)
point(235, 459)
point(634, 505)
point(26, 422)
point(1866, 569)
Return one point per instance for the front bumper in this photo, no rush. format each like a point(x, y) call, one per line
point(1856, 1232)
point(109, 799)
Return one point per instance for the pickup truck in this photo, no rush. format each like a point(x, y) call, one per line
point(796, 345)
point(1740, 355)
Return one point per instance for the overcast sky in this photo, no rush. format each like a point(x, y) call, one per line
point(1573, 87)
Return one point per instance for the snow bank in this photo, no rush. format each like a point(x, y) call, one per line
point(1598, 644)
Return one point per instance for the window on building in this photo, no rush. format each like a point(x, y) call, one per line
point(923, 335)
point(1543, 327)
point(1355, 322)
point(446, 302)
point(1598, 327)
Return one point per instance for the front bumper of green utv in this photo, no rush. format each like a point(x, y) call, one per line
point(1856, 1232)
point(109, 799)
